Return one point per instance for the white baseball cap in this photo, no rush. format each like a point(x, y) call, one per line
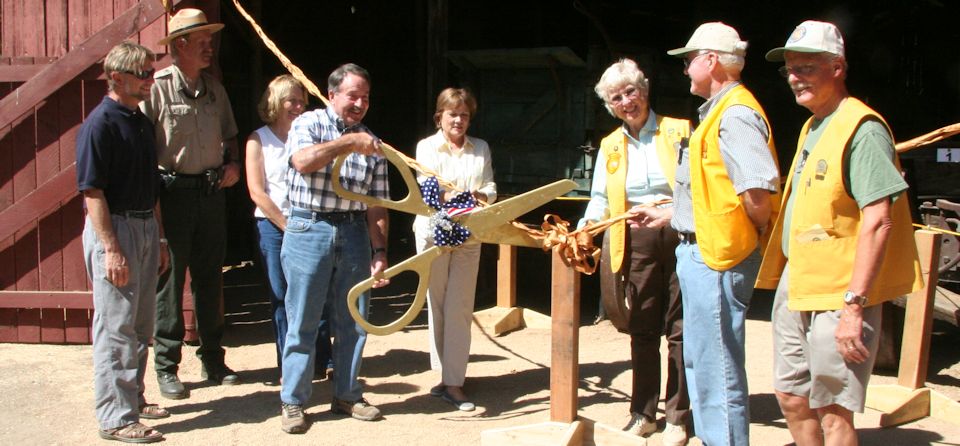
point(714, 36)
point(811, 37)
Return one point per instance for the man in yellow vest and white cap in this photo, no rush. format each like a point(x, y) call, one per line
point(842, 246)
point(727, 183)
point(637, 165)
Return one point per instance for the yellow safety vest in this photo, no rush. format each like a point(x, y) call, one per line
point(614, 148)
point(820, 270)
point(725, 233)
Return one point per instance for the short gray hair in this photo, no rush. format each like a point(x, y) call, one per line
point(124, 58)
point(622, 73)
point(336, 78)
point(731, 63)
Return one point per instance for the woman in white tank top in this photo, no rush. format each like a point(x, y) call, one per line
point(267, 163)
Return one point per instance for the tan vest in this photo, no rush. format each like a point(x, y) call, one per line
point(614, 148)
point(725, 233)
point(820, 271)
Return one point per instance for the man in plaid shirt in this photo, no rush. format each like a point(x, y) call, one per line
point(324, 251)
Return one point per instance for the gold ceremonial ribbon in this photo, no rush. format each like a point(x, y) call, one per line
point(576, 249)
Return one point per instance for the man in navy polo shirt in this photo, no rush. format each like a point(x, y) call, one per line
point(123, 242)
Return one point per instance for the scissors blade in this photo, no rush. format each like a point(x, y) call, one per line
point(507, 234)
point(499, 214)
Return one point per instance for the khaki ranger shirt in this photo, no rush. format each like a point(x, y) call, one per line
point(190, 131)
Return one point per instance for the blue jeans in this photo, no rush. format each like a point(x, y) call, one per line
point(322, 259)
point(714, 317)
point(271, 240)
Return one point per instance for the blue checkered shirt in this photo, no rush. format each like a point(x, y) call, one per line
point(360, 173)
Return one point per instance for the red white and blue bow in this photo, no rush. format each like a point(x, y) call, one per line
point(446, 232)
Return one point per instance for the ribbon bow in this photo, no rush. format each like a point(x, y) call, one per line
point(447, 232)
point(576, 248)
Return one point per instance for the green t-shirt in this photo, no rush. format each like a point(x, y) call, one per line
point(869, 172)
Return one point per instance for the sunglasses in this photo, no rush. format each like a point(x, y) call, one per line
point(141, 74)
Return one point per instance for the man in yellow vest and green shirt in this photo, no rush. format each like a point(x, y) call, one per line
point(842, 246)
point(726, 189)
point(636, 165)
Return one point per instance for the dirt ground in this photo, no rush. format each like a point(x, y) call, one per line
point(46, 396)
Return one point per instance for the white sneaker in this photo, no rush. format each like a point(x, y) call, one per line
point(640, 426)
point(674, 435)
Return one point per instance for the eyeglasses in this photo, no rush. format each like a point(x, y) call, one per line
point(630, 93)
point(141, 74)
point(799, 70)
point(687, 62)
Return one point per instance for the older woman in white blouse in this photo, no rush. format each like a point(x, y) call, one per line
point(464, 161)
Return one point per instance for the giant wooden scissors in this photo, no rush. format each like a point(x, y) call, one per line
point(490, 224)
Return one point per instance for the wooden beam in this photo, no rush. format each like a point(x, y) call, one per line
point(565, 341)
point(74, 300)
point(23, 213)
point(56, 74)
point(23, 73)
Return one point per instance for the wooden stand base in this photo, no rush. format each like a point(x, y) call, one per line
point(581, 432)
point(500, 320)
point(901, 404)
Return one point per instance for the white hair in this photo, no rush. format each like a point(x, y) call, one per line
point(622, 73)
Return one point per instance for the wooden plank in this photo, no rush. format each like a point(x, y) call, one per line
point(9, 27)
point(57, 32)
point(918, 321)
point(28, 325)
point(23, 154)
point(6, 162)
point(47, 140)
point(77, 300)
point(507, 277)
point(51, 258)
point(26, 266)
point(81, 56)
point(52, 330)
point(25, 212)
point(564, 340)
point(77, 326)
point(26, 18)
point(8, 325)
point(153, 32)
point(70, 99)
point(71, 239)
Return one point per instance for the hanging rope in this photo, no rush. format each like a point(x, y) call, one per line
point(296, 72)
point(576, 249)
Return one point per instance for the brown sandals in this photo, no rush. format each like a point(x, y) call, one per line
point(132, 433)
point(153, 412)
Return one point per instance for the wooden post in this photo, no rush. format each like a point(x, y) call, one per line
point(909, 400)
point(507, 277)
point(565, 341)
point(915, 349)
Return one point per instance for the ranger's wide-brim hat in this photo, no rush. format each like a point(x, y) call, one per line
point(186, 21)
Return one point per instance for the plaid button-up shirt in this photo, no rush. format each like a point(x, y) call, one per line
point(360, 173)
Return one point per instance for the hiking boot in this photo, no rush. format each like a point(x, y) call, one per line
point(640, 426)
point(220, 374)
point(170, 386)
point(674, 435)
point(292, 420)
point(359, 409)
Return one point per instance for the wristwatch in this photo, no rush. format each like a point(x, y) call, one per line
point(850, 298)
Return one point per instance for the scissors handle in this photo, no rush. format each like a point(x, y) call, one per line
point(412, 203)
point(420, 264)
